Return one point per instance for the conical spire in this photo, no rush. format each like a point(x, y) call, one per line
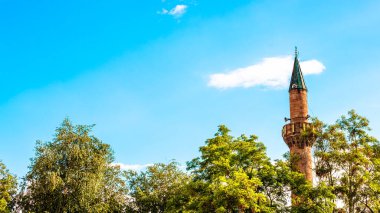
point(297, 81)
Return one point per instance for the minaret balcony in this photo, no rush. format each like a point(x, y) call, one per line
point(295, 129)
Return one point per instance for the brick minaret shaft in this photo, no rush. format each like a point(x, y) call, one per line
point(299, 145)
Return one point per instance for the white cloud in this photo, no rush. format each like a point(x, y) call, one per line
point(176, 11)
point(163, 11)
point(271, 72)
point(135, 167)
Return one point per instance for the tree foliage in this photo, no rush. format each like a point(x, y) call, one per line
point(161, 188)
point(234, 174)
point(73, 173)
point(347, 159)
point(8, 187)
point(227, 174)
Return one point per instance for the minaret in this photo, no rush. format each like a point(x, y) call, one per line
point(299, 144)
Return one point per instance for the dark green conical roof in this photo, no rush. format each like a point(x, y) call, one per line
point(297, 81)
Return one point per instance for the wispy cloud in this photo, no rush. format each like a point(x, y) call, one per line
point(176, 11)
point(271, 72)
point(135, 167)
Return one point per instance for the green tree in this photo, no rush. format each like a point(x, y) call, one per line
point(232, 174)
point(306, 197)
point(161, 188)
point(8, 189)
point(348, 160)
point(235, 175)
point(73, 173)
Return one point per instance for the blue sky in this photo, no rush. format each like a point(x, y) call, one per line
point(157, 77)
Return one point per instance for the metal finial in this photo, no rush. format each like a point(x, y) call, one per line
point(296, 52)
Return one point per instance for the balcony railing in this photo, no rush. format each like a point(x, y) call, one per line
point(295, 128)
